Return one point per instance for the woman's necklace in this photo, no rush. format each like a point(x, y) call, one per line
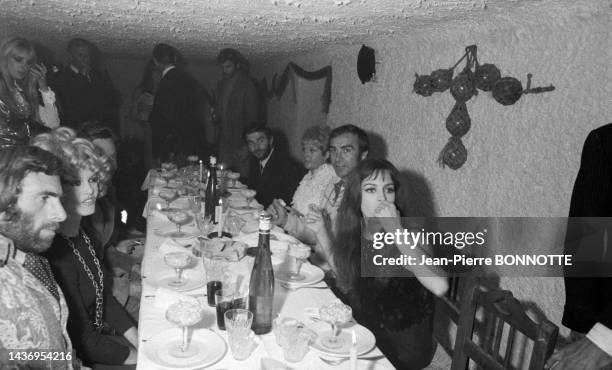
point(98, 285)
point(22, 105)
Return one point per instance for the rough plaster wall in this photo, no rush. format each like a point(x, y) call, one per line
point(523, 158)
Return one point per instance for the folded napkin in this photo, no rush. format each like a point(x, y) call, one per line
point(170, 245)
point(164, 298)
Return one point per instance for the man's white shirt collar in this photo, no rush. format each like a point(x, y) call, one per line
point(166, 70)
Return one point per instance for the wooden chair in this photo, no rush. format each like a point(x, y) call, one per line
point(450, 303)
point(503, 316)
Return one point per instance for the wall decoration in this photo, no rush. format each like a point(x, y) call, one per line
point(280, 84)
point(473, 77)
point(366, 64)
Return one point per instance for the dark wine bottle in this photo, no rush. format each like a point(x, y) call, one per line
point(211, 196)
point(261, 287)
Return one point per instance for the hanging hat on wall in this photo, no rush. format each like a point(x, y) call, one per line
point(485, 76)
point(507, 90)
point(366, 64)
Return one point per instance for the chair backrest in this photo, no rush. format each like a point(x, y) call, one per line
point(503, 316)
point(450, 303)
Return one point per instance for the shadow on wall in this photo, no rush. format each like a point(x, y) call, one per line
point(378, 146)
point(418, 194)
point(281, 143)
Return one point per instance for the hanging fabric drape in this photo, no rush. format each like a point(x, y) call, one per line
point(279, 84)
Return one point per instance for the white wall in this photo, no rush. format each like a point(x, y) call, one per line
point(522, 159)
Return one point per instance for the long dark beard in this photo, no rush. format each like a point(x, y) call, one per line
point(24, 235)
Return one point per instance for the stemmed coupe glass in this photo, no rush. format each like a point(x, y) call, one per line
point(184, 314)
point(178, 261)
point(168, 195)
point(249, 194)
point(335, 313)
point(179, 218)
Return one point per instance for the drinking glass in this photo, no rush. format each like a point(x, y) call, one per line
point(299, 252)
point(297, 344)
point(184, 314)
point(179, 218)
point(249, 194)
point(240, 336)
point(203, 223)
point(233, 176)
point(215, 268)
point(195, 203)
point(224, 300)
point(168, 195)
point(335, 313)
point(178, 261)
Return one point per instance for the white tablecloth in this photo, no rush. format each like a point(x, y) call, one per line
point(286, 304)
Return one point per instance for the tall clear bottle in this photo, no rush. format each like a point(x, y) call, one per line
point(211, 196)
point(261, 287)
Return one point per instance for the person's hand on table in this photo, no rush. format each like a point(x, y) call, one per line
point(278, 212)
point(582, 354)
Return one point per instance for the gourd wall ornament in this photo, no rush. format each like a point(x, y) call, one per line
point(473, 77)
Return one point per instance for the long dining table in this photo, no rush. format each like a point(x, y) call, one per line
point(154, 329)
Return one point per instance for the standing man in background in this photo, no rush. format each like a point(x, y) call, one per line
point(237, 106)
point(84, 90)
point(176, 119)
point(588, 294)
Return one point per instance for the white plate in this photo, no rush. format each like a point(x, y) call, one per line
point(237, 187)
point(211, 347)
point(170, 233)
point(312, 275)
point(193, 278)
point(365, 341)
point(245, 208)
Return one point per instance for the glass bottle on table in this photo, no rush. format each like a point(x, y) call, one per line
point(211, 196)
point(261, 287)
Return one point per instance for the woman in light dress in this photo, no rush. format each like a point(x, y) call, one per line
point(321, 174)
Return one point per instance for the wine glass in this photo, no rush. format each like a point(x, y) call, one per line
point(179, 218)
point(168, 175)
point(249, 194)
point(178, 261)
point(184, 314)
point(233, 176)
point(300, 253)
point(168, 195)
point(335, 313)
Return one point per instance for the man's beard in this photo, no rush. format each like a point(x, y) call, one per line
point(25, 236)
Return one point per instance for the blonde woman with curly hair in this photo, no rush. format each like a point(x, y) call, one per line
point(22, 80)
point(102, 331)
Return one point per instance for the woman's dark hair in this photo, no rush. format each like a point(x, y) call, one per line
point(15, 164)
point(347, 247)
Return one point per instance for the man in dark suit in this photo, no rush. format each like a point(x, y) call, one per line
point(176, 120)
point(84, 90)
point(588, 306)
point(273, 173)
point(237, 105)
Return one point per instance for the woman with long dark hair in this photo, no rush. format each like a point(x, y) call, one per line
point(398, 310)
